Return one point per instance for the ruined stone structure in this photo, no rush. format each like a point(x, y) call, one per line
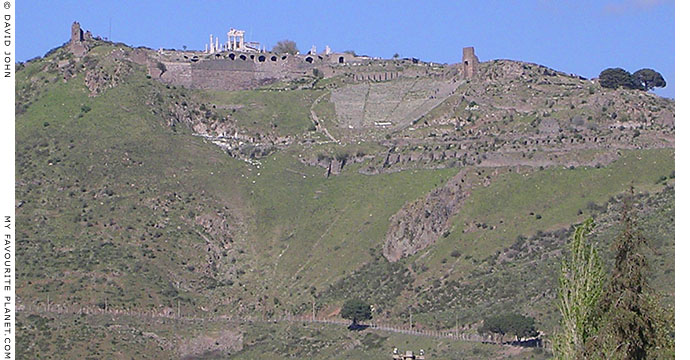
point(77, 33)
point(376, 76)
point(238, 64)
point(236, 70)
point(233, 43)
point(470, 63)
point(408, 355)
point(76, 43)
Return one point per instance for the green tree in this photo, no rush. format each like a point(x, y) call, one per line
point(649, 79)
point(633, 324)
point(355, 310)
point(161, 67)
point(617, 77)
point(285, 47)
point(509, 324)
point(523, 327)
point(580, 287)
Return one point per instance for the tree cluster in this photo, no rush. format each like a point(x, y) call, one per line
point(643, 79)
point(616, 316)
point(509, 324)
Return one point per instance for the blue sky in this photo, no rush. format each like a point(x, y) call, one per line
point(582, 37)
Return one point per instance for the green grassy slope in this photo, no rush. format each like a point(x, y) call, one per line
point(333, 221)
point(120, 203)
point(504, 249)
point(332, 342)
point(105, 191)
point(103, 337)
point(521, 204)
point(117, 200)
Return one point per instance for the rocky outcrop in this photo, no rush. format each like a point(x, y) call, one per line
point(218, 226)
point(334, 165)
point(220, 232)
point(105, 74)
point(418, 224)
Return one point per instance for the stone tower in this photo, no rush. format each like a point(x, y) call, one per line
point(77, 33)
point(470, 63)
point(76, 41)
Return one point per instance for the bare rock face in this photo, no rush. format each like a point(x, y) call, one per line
point(210, 343)
point(334, 166)
point(217, 225)
point(418, 224)
point(98, 78)
point(220, 232)
point(139, 56)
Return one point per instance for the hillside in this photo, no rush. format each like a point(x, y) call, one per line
point(428, 193)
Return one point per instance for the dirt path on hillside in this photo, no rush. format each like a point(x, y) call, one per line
point(316, 121)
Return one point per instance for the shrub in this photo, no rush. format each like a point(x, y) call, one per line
point(285, 47)
point(161, 67)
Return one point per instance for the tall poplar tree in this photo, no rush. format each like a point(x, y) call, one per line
point(580, 287)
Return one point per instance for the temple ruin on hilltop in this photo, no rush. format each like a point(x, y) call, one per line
point(235, 42)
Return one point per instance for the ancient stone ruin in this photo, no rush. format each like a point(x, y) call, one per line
point(76, 42)
point(238, 64)
point(408, 355)
point(470, 62)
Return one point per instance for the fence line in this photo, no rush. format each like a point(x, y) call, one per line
point(304, 318)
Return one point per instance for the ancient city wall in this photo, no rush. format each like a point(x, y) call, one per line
point(176, 73)
point(236, 70)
